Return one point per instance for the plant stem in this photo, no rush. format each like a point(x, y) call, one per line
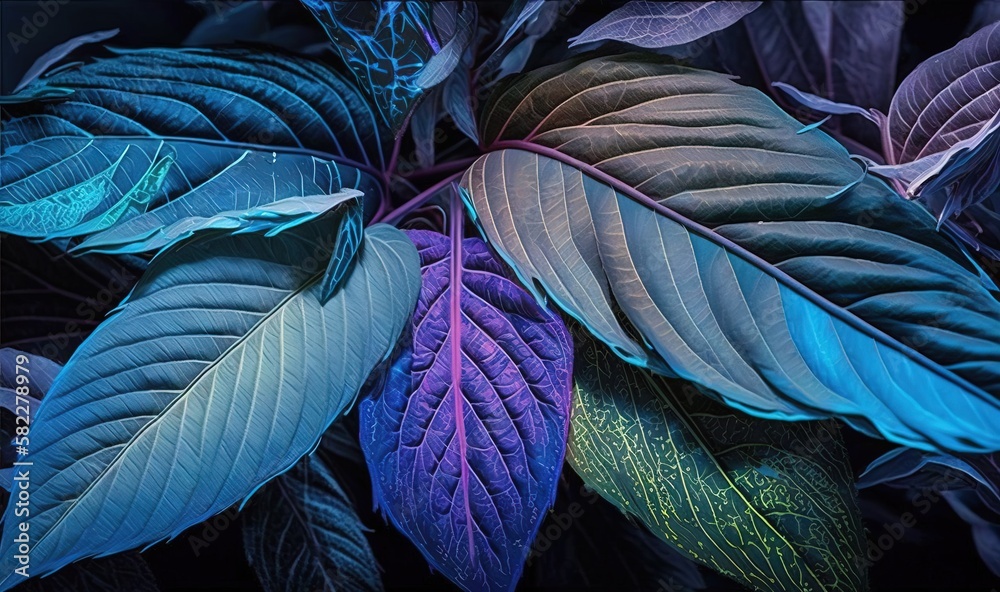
point(420, 199)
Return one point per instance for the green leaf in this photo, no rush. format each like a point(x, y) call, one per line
point(769, 504)
point(690, 226)
point(220, 370)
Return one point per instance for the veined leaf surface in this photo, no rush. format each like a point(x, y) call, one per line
point(754, 260)
point(396, 50)
point(769, 504)
point(664, 24)
point(152, 138)
point(219, 371)
point(122, 572)
point(301, 533)
point(465, 437)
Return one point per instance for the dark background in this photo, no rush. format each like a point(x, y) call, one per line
point(937, 553)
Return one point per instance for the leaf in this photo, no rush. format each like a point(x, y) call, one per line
point(301, 533)
point(52, 301)
point(390, 45)
point(168, 414)
point(470, 494)
point(749, 258)
point(529, 21)
point(124, 572)
point(456, 96)
point(946, 98)
point(154, 138)
point(768, 504)
point(940, 132)
point(827, 106)
point(59, 52)
point(444, 62)
point(39, 372)
point(664, 24)
point(24, 380)
point(587, 543)
point(971, 484)
point(845, 51)
point(181, 219)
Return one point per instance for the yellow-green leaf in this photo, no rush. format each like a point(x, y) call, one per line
point(770, 504)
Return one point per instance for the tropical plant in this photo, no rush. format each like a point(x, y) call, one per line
point(415, 257)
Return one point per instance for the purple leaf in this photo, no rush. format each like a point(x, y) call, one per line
point(946, 99)
point(664, 24)
point(940, 138)
point(465, 445)
point(859, 42)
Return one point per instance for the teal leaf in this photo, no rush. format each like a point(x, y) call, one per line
point(157, 141)
point(396, 50)
point(301, 533)
point(218, 372)
point(688, 224)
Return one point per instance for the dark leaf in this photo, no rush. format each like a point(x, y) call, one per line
point(301, 533)
point(389, 46)
point(124, 572)
point(970, 483)
point(587, 543)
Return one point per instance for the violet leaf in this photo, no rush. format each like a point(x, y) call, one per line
point(465, 443)
point(664, 24)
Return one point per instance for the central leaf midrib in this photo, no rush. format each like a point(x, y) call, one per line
point(457, 227)
point(759, 263)
point(181, 395)
point(257, 148)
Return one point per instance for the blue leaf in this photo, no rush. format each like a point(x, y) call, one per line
point(457, 98)
point(168, 413)
point(59, 52)
point(465, 444)
point(301, 533)
point(38, 371)
point(349, 236)
point(422, 125)
point(160, 137)
point(181, 219)
point(709, 242)
point(391, 47)
point(664, 24)
point(24, 380)
point(529, 21)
